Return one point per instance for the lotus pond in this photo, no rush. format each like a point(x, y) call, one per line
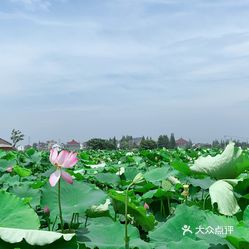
point(147, 199)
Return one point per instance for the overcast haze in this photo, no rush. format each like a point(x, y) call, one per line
point(104, 68)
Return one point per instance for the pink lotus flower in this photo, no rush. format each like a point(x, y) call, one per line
point(46, 210)
point(9, 169)
point(146, 206)
point(62, 160)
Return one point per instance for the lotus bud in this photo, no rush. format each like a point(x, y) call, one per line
point(185, 192)
point(146, 206)
point(46, 210)
point(138, 178)
point(9, 169)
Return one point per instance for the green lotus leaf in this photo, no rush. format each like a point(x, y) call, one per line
point(22, 172)
point(103, 233)
point(240, 237)
point(156, 175)
point(15, 214)
point(2, 153)
point(158, 193)
point(187, 242)
point(171, 230)
point(192, 217)
point(203, 183)
point(108, 179)
point(145, 220)
point(221, 192)
point(25, 191)
point(9, 180)
point(75, 198)
point(246, 215)
point(130, 172)
point(149, 194)
point(4, 164)
point(181, 167)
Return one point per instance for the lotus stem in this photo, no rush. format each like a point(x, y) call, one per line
point(126, 219)
point(54, 222)
point(59, 204)
point(204, 202)
point(86, 220)
point(168, 201)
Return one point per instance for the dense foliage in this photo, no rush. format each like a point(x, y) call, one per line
point(184, 198)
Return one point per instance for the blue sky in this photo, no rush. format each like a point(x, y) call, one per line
point(99, 68)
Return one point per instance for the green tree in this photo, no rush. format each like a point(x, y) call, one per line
point(123, 143)
point(126, 142)
point(190, 144)
point(100, 144)
point(216, 144)
point(172, 141)
point(16, 137)
point(148, 144)
point(114, 141)
point(163, 141)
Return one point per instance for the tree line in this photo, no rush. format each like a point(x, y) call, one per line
point(128, 143)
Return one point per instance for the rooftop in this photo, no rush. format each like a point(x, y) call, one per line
point(73, 142)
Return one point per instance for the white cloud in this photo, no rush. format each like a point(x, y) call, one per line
point(238, 49)
point(33, 4)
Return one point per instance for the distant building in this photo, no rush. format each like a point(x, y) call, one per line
point(20, 148)
point(73, 145)
point(41, 146)
point(46, 146)
point(51, 143)
point(182, 143)
point(4, 145)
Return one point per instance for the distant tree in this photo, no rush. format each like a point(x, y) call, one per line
point(16, 137)
point(216, 144)
point(126, 142)
point(130, 142)
point(224, 143)
point(172, 141)
point(95, 144)
point(163, 141)
point(114, 141)
point(148, 144)
point(109, 145)
point(35, 145)
point(123, 143)
point(160, 143)
point(100, 144)
point(135, 146)
point(190, 144)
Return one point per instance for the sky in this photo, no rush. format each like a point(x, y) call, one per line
point(103, 68)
